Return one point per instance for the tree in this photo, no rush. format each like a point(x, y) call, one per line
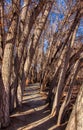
point(6, 66)
point(76, 118)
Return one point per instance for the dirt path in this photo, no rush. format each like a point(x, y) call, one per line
point(34, 114)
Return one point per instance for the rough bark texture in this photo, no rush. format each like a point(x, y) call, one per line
point(1, 31)
point(60, 85)
point(69, 93)
point(76, 118)
point(6, 66)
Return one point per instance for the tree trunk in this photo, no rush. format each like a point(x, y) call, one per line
point(36, 36)
point(68, 96)
point(21, 80)
point(7, 64)
point(31, 17)
point(56, 102)
point(76, 118)
point(1, 32)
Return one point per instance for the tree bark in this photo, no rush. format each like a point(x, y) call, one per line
point(76, 118)
point(36, 36)
point(30, 20)
point(6, 66)
point(68, 96)
point(60, 86)
point(1, 31)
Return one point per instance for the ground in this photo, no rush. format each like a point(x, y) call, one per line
point(34, 114)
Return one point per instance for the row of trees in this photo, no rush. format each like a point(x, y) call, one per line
point(16, 62)
point(32, 47)
point(63, 63)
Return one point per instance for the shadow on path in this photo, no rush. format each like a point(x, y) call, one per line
point(34, 114)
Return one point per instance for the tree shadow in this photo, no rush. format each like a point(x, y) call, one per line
point(33, 115)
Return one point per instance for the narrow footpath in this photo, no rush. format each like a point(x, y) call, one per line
point(34, 114)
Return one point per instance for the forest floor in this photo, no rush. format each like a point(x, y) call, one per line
point(34, 114)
